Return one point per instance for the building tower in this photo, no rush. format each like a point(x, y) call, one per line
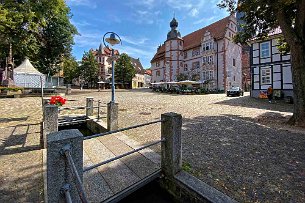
point(173, 53)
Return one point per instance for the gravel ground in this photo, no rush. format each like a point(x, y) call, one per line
point(239, 145)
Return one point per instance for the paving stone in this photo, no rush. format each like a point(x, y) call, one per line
point(95, 186)
point(139, 164)
point(117, 175)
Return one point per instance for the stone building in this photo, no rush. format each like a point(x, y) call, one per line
point(102, 55)
point(207, 55)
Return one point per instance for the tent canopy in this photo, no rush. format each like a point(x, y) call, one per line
point(27, 68)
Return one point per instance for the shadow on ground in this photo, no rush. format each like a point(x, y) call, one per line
point(21, 164)
point(5, 120)
point(250, 102)
point(21, 138)
point(245, 160)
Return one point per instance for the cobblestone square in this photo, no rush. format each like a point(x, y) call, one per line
point(239, 145)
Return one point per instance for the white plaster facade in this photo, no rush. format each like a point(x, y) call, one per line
point(269, 67)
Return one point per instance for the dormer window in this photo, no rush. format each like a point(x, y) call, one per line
point(207, 46)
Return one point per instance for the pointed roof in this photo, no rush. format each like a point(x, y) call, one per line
point(137, 65)
point(27, 68)
point(217, 30)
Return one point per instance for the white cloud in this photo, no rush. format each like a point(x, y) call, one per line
point(144, 3)
point(136, 52)
point(139, 41)
point(86, 3)
point(144, 17)
point(88, 39)
point(205, 21)
point(82, 23)
point(179, 4)
point(194, 12)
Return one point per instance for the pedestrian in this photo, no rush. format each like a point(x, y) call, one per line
point(270, 94)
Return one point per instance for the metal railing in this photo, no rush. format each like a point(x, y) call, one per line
point(98, 107)
point(66, 151)
point(127, 153)
point(122, 129)
point(66, 191)
point(71, 170)
point(121, 156)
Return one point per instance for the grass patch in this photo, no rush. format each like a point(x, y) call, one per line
point(186, 167)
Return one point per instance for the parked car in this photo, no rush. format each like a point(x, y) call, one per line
point(235, 91)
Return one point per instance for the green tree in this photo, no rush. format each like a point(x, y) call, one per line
point(70, 68)
point(89, 69)
point(40, 30)
point(124, 70)
point(261, 17)
point(181, 77)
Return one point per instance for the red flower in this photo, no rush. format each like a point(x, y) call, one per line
point(57, 100)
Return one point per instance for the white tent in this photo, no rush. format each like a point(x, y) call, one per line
point(25, 75)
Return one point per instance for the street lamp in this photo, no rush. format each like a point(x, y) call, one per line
point(112, 40)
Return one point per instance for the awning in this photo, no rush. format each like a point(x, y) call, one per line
point(187, 82)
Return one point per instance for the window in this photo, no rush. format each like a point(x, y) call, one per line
point(185, 55)
point(195, 65)
point(157, 73)
point(196, 52)
point(157, 63)
point(181, 64)
point(234, 62)
point(265, 49)
point(207, 60)
point(266, 75)
point(185, 67)
point(180, 43)
point(207, 46)
point(211, 75)
point(208, 75)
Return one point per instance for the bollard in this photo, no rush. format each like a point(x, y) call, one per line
point(68, 89)
point(112, 116)
point(171, 149)
point(89, 106)
point(58, 173)
point(50, 122)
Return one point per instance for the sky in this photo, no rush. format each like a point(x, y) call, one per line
point(141, 24)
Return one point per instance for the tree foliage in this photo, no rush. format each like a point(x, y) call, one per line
point(70, 68)
point(88, 70)
point(182, 76)
point(263, 16)
point(38, 29)
point(124, 70)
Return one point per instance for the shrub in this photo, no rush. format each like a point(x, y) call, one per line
point(11, 88)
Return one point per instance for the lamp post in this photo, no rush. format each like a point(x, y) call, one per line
point(112, 40)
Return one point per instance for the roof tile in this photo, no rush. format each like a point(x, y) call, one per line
point(217, 30)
